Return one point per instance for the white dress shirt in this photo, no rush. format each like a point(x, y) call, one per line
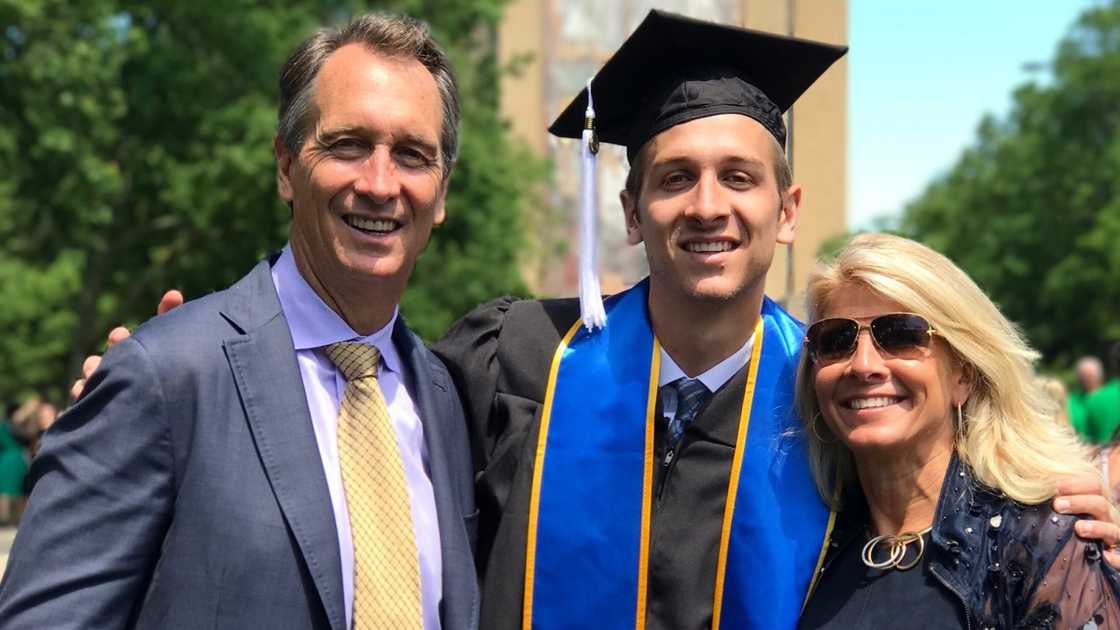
point(314, 325)
point(713, 378)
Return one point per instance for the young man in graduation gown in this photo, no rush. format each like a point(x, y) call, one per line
point(644, 473)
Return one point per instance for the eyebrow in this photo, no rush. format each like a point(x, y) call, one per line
point(333, 134)
point(411, 139)
point(680, 160)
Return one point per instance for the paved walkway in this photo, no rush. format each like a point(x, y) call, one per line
point(7, 534)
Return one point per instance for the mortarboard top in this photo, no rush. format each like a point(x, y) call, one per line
point(673, 69)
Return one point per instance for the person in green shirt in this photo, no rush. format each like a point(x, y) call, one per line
point(1090, 376)
point(1102, 405)
point(13, 468)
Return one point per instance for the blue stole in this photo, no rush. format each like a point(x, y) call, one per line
point(586, 561)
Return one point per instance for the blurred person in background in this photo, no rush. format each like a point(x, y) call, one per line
point(47, 415)
point(25, 419)
point(25, 429)
point(1102, 405)
point(29, 423)
point(1090, 376)
point(13, 469)
point(1056, 391)
point(1108, 457)
point(933, 438)
point(25, 425)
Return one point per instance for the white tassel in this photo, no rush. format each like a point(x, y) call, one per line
point(590, 296)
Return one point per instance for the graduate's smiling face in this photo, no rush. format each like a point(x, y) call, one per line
point(367, 185)
point(708, 208)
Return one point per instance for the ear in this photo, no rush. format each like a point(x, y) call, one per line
point(787, 217)
point(630, 216)
point(284, 160)
point(441, 204)
point(964, 383)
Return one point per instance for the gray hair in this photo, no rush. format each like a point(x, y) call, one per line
point(1091, 363)
point(392, 35)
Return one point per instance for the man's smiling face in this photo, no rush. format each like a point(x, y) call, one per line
point(367, 185)
point(708, 209)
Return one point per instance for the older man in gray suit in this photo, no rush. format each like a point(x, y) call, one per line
point(284, 453)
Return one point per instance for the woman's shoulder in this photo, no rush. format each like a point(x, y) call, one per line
point(1036, 525)
point(972, 512)
point(1071, 580)
point(1052, 574)
point(1029, 541)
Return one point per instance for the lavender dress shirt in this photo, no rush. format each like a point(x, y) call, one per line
point(314, 325)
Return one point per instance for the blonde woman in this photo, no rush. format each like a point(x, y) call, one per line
point(929, 432)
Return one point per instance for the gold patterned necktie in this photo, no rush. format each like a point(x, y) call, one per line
point(386, 560)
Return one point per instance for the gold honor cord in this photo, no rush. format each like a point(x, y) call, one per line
point(820, 559)
point(647, 483)
point(733, 485)
point(736, 467)
point(538, 470)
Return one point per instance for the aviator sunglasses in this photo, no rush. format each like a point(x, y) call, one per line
point(903, 335)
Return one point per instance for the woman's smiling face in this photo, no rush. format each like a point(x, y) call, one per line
point(875, 401)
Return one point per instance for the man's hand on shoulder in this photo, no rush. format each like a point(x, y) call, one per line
point(171, 299)
point(1086, 496)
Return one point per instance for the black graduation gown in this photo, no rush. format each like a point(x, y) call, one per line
point(499, 356)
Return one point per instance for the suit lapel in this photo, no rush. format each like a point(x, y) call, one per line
point(264, 368)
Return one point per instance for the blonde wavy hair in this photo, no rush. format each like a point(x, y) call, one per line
point(1008, 435)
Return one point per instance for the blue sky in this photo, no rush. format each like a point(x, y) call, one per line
point(922, 74)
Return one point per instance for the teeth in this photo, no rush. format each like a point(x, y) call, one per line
point(871, 403)
point(718, 246)
point(372, 225)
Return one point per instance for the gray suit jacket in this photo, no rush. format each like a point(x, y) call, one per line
point(185, 488)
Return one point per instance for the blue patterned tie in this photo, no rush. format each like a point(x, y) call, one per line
point(691, 394)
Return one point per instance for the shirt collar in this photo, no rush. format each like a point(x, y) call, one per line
point(716, 376)
point(313, 324)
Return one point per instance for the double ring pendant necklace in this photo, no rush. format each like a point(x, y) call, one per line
point(898, 550)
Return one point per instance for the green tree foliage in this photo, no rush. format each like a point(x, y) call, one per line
point(136, 147)
point(1031, 210)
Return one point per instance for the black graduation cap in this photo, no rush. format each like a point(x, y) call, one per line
point(673, 69)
